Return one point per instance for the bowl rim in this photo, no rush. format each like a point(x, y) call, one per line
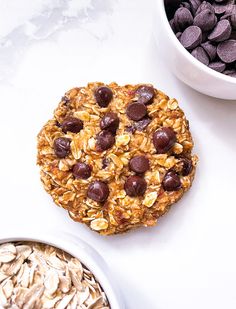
point(80, 249)
point(196, 63)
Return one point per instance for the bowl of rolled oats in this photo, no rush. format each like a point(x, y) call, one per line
point(54, 272)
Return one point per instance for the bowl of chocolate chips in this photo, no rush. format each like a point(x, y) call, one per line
point(198, 42)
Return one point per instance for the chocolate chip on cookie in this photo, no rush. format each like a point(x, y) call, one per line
point(135, 186)
point(82, 170)
point(72, 124)
point(105, 140)
point(103, 96)
point(98, 191)
point(110, 122)
point(139, 164)
point(145, 94)
point(61, 147)
point(136, 111)
point(164, 139)
point(171, 182)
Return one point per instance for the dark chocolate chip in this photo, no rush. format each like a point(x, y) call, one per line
point(186, 5)
point(210, 49)
point(171, 182)
point(172, 25)
point(72, 124)
point(139, 164)
point(105, 140)
point(206, 20)
point(200, 54)
point(227, 51)
point(221, 32)
point(61, 147)
point(136, 111)
point(110, 122)
point(230, 72)
point(217, 66)
point(145, 94)
point(141, 125)
point(103, 96)
point(131, 129)
point(182, 19)
point(171, 6)
point(135, 186)
point(164, 139)
point(65, 100)
point(178, 35)
point(105, 163)
point(205, 6)
point(194, 5)
point(187, 166)
point(98, 191)
point(191, 37)
point(82, 170)
point(221, 8)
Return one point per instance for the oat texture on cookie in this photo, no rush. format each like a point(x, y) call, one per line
point(116, 157)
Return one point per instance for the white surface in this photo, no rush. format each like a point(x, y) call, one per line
point(77, 248)
point(188, 260)
point(187, 68)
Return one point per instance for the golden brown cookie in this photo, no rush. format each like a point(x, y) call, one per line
point(116, 157)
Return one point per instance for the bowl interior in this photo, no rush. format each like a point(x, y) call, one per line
point(181, 49)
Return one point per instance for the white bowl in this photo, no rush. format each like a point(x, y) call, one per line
point(79, 249)
point(188, 69)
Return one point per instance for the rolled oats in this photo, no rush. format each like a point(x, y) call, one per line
point(115, 210)
point(47, 278)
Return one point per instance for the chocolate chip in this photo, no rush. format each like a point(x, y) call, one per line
point(210, 49)
point(72, 124)
point(178, 35)
point(105, 140)
point(217, 66)
point(131, 129)
point(164, 139)
point(98, 191)
point(182, 19)
point(206, 20)
point(145, 94)
point(230, 72)
point(185, 5)
point(227, 51)
point(171, 6)
point(171, 182)
point(136, 111)
point(194, 5)
point(200, 54)
point(82, 170)
point(103, 96)
point(221, 32)
point(65, 100)
point(205, 6)
point(172, 25)
point(110, 122)
point(135, 186)
point(187, 166)
point(105, 163)
point(61, 147)
point(139, 164)
point(141, 125)
point(220, 8)
point(191, 37)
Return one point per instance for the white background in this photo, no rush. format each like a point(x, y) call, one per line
point(47, 47)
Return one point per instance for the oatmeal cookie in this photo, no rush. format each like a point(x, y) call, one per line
point(116, 157)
